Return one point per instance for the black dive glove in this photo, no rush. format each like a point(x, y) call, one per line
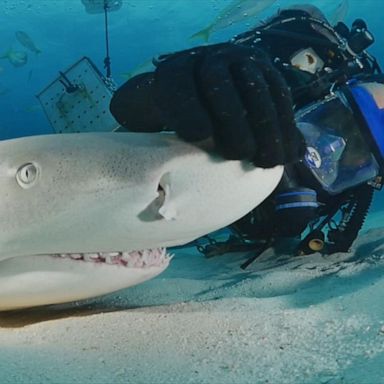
point(227, 92)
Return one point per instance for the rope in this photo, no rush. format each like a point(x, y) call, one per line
point(107, 60)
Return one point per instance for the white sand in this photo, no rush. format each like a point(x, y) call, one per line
point(307, 320)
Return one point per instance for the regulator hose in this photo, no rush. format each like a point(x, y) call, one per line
point(344, 235)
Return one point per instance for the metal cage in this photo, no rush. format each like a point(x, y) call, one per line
point(98, 6)
point(78, 100)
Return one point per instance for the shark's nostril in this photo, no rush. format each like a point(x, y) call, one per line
point(164, 182)
point(166, 210)
point(161, 207)
point(161, 191)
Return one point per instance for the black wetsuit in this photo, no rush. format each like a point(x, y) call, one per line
point(281, 36)
point(243, 95)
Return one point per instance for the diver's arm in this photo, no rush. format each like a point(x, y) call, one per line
point(227, 92)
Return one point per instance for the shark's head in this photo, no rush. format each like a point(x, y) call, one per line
point(87, 214)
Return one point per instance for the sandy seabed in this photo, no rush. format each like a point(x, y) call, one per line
point(284, 320)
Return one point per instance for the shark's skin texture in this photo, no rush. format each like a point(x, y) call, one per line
point(109, 192)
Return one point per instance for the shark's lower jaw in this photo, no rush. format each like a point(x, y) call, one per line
point(41, 279)
point(156, 257)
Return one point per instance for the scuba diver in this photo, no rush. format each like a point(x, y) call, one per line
point(294, 91)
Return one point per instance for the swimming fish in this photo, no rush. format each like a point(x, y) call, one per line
point(34, 108)
point(25, 40)
point(340, 12)
point(16, 58)
point(147, 66)
point(238, 10)
point(4, 91)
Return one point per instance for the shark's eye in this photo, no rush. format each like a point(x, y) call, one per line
point(27, 175)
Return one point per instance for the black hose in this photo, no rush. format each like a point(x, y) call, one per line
point(343, 237)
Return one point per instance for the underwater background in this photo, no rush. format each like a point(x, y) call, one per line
point(62, 32)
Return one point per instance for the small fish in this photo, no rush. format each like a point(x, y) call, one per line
point(147, 66)
point(25, 40)
point(340, 12)
point(16, 58)
point(4, 91)
point(33, 108)
point(238, 10)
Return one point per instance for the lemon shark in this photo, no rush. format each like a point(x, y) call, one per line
point(87, 214)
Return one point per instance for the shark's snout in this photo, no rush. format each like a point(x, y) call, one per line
point(93, 200)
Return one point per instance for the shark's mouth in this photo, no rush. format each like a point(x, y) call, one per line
point(157, 257)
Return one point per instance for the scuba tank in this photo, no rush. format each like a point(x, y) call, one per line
point(294, 209)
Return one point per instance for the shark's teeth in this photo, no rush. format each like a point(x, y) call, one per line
point(89, 256)
point(77, 256)
point(107, 254)
point(125, 256)
point(111, 259)
point(133, 259)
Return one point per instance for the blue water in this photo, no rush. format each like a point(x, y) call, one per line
point(140, 30)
